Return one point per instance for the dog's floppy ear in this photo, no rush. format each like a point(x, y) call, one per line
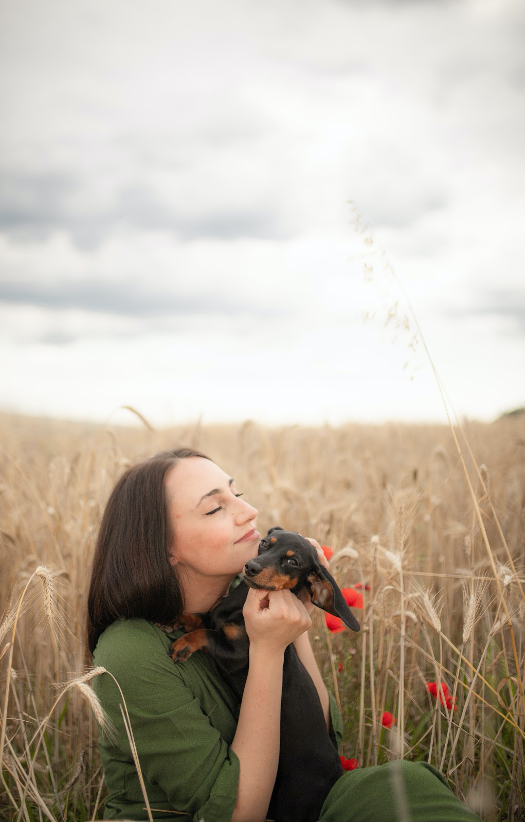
point(325, 593)
point(275, 528)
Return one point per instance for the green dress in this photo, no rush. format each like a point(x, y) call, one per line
point(184, 719)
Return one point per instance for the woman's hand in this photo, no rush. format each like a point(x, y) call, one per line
point(274, 619)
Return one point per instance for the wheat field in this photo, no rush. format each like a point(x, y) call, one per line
point(428, 521)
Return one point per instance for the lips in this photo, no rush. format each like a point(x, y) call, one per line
point(250, 536)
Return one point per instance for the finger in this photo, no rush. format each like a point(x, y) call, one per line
point(287, 604)
point(298, 609)
point(256, 600)
point(302, 607)
point(320, 553)
point(313, 542)
point(305, 598)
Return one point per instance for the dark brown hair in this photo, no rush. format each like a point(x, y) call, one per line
point(132, 575)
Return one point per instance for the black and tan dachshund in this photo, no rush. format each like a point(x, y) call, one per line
point(309, 763)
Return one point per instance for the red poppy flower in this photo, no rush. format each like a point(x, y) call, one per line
point(388, 719)
point(339, 667)
point(328, 552)
point(349, 764)
point(334, 624)
point(352, 597)
point(444, 694)
point(359, 586)
point(443, 690)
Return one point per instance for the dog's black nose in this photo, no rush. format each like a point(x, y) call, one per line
point(252, 568)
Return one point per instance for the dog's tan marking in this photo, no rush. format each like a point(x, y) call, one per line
point(190, 622)
point(232, 631)
point(274, 582)
point(273, 540)
point(322, 594)
point(290, 553)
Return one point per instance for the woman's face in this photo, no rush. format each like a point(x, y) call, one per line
point(214, 528)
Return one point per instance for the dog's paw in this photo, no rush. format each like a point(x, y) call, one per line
point(168, 628)
point(180, 651)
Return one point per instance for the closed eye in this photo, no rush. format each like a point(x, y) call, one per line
point(209, 513)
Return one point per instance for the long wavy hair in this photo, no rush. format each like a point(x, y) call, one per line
point(131, 574)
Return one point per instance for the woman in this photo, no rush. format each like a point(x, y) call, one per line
point(174, 535)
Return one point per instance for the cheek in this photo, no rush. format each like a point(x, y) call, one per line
point(216, 539)
point(199, 543)
point(185, 541)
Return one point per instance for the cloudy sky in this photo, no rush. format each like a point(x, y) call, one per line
point(258, 209)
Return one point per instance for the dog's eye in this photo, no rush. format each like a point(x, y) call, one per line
point(291, 561)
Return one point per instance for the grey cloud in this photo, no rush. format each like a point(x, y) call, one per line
point(34, 201)
point(33, 206)
point(128, 299)
point(405, 212)
point(507, 304)
point(57, 338)
point(386, 202)
point(139, 207)
point(233, 224)
point(239, 327)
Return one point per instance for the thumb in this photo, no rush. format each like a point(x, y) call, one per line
point(257, 599)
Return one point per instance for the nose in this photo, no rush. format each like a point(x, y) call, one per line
point(245, 512)
point(252, 568)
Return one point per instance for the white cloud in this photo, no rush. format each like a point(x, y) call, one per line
point(176, 179)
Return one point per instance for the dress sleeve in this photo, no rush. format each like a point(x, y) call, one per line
point(336, 722)
point(180, 751)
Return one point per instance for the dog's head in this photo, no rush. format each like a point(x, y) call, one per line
point(288, 560)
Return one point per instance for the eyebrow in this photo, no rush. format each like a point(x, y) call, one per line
point(214, 491)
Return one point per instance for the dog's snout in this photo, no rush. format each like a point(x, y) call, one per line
point(252, 568)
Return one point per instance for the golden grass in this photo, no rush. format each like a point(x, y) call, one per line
point(436, 534)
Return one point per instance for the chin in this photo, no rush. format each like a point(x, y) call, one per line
point(239, 565)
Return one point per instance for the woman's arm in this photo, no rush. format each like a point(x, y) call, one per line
point(256, 741)
point(272, 621)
